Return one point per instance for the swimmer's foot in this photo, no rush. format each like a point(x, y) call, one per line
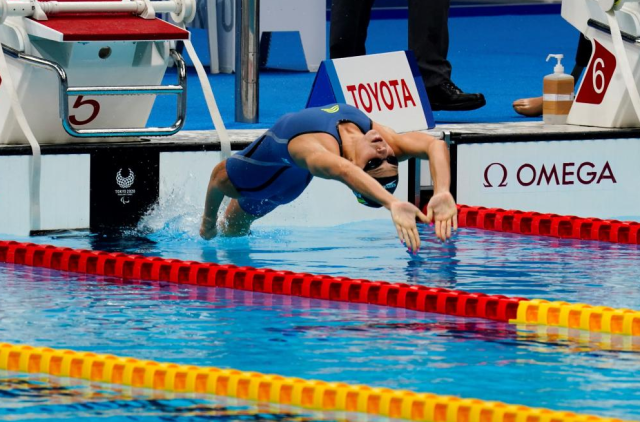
point(529, 107)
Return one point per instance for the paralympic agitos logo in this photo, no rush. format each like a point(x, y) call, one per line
point(558, 174)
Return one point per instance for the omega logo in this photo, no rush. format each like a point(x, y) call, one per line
point(563, 174)
point(503, 182)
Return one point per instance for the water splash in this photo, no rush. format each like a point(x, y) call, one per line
point(176, 217)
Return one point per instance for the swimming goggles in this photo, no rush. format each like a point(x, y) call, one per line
point(377, 162)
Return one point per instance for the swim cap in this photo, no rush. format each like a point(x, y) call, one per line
point(389, 183)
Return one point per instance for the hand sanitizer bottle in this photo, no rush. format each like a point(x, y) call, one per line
point(557, 98)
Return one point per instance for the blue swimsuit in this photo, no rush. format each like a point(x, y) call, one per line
point(264, 173)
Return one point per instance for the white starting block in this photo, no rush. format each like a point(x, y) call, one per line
point(79, 71)
point(608, 95)
point(89, 70)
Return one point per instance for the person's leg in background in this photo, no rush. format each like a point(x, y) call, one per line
point(532, 107)
point(348, 30)
point(429, 41)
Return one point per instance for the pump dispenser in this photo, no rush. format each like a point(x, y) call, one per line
point(557, 90)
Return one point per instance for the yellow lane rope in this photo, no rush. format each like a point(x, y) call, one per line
point(311, 394)
point(598, 319)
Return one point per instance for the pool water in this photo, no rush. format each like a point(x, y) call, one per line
point(475, 260)
point(352, 343)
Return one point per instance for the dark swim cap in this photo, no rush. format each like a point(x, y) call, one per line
point(389, 183)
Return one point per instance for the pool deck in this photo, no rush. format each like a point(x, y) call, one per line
point(208, 140)
point(528, 131)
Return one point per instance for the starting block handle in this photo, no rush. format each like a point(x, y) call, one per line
point(125, 90)
point(65, 92)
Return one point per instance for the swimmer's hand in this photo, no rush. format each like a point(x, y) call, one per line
point(442, 210)
point(208, 229)
point(404, 216)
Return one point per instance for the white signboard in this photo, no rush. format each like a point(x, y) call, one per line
point(384, 87)
point(586, 178)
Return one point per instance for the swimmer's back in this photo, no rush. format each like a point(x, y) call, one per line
point(265, 169)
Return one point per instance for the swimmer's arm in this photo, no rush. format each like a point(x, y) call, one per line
point(441, 208)
point(403, 214)
point(328, 165)
point(219, 187)
point(322, 162)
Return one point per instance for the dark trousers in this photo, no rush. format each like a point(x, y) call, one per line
point(583, 53)
point(428, 34)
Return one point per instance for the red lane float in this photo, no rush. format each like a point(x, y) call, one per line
point(398, 295)
point(534, 223)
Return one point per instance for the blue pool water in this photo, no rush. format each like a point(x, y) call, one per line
point(345, 342)
point(475, 260)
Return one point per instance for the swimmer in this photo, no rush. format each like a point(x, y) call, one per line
point(337, 142)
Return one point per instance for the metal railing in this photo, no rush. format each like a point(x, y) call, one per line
point(65, 92)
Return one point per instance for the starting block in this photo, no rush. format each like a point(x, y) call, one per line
point(608, 95)
point(89, 70)
point(78, 71)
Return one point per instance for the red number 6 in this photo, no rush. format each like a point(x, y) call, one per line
point(80, 101)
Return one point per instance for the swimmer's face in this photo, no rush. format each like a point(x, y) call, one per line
point(375, 156)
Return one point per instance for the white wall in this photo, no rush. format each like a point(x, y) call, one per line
point(64, 193)
point(570, 194)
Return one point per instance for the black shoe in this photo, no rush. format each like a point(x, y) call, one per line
point(447, 96)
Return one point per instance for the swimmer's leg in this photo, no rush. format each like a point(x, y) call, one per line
point(242, 212)
point(237, 222)
point(219, 187)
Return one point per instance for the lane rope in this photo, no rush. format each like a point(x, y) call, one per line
point(515, 310)
point(553, 225)
point(310, 394)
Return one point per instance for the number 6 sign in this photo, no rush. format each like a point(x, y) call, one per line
point(596, 80)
